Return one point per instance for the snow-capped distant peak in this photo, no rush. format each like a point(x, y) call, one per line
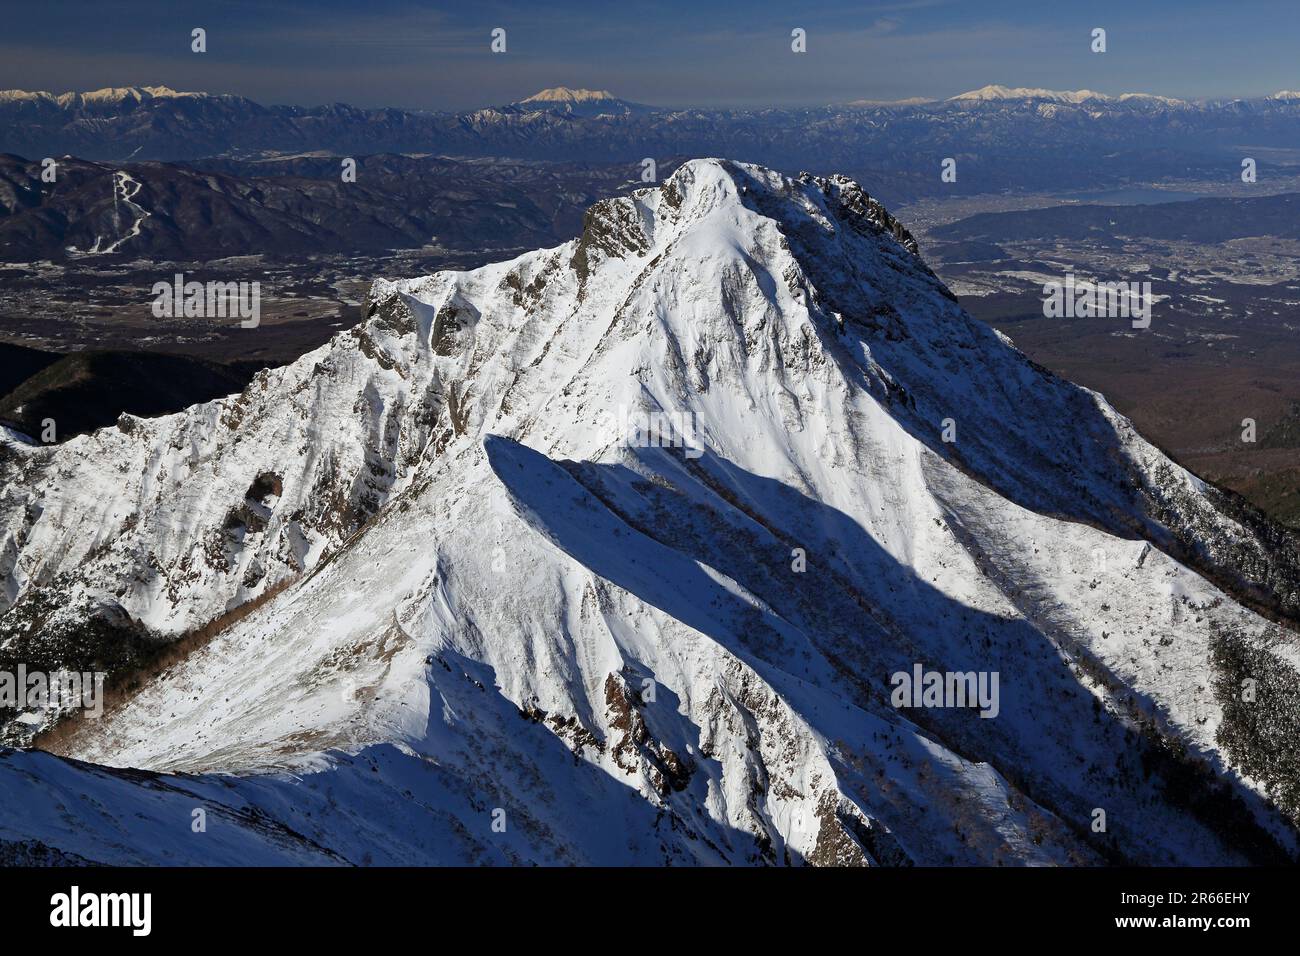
point(113, 93)
point(1284, 95)
point(562, 94)
point(1152, 98)
point(9, 96)
point(909, 101)
point(995, 92)
point(110, 94)
point(562, 99)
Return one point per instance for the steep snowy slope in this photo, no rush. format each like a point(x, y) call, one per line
point(433, 605)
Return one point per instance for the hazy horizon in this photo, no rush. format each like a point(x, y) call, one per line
point(667, 53)
point(918, 99)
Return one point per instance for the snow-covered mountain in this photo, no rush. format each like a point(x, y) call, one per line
point(417, 598)
point(112, 96)
point(995, 94)
point(1088, 139)
point(580, 102)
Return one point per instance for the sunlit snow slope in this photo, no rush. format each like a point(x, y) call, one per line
point(432, 607)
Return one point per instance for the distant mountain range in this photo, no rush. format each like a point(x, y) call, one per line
point(1082, 137)
point(1005, 94)
point(292, 206)
point(582, 102)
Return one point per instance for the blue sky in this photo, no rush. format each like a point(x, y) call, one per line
point(670, 52)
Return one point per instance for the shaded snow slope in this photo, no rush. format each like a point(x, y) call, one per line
point(424, 586)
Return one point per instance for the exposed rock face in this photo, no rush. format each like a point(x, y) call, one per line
point(464, 619)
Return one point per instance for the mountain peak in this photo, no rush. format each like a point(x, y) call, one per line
point(993, 93)
point(473, 529)
point(562, 99)
point(109, 95)
point(136, 92)
point(909, 101)
point(996, 92)
point(562, 94)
